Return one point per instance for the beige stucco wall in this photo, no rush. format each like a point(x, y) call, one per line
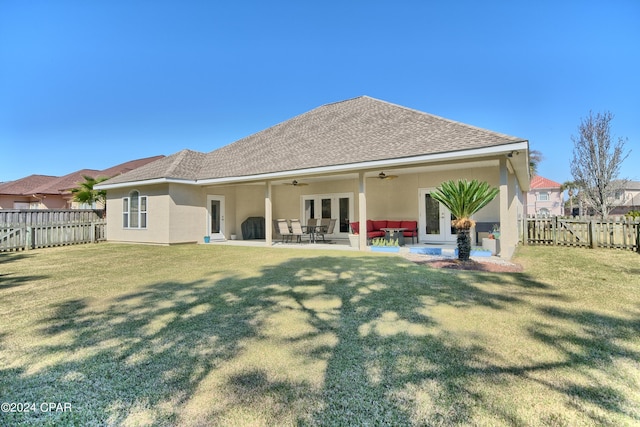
point(187, 214)
point(177, 213)
point(158, 214)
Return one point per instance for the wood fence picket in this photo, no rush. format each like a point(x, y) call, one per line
point(30, 229)
point(613, 233)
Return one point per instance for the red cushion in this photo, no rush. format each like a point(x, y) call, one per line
point(355, 227)
point(394, 224)
point(369, 225)
point(411, 225)
point(374, 234)
point(378, 224)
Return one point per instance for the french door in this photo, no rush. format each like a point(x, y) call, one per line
point(338, 206)
point(435, 220)
point(215, 217)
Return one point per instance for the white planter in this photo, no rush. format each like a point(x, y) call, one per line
point(492, 245)
point(234, 237)
point(354, 240)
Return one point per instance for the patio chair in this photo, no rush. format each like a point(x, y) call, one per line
point(284, 230)
point(328, 229)
point(296, 229)
point(311, 225)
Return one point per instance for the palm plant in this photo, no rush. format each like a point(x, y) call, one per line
point(86, 194)
point(464, 198)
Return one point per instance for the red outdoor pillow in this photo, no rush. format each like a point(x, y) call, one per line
point(369, 225)
point(394, 224)
point(378, 224)
point(355, 227)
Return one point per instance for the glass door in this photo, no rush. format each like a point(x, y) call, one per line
point(215, 217)
point(330, 206)
point(435, 220)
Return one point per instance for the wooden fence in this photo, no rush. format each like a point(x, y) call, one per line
point(615, 233)
point(30, 229)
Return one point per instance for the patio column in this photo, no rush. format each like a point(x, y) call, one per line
point(362, 210)
point(504, 203)
point(268, 215)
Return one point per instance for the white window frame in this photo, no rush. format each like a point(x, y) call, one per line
point(546, 197)
point(140, 216)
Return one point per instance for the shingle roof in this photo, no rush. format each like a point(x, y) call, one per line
point(541, 182)
point(66, 182)
point(352, 131)
point(26, 185)
point(127, 166)
point(45, 184)
point(184, 164)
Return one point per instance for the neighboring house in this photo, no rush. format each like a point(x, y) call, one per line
point(338, 151)
point(52, 192)
point(627, 199)
point(18, 194)
point(545, 198)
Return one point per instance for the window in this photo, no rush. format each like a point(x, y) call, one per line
point(544, 213)
point(134, 210)
point(543, 196)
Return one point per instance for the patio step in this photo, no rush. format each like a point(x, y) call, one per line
point(447, 252)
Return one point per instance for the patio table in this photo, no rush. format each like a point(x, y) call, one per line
point(312, 230)
point(394, 233)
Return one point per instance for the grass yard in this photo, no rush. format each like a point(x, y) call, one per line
point(208, 335)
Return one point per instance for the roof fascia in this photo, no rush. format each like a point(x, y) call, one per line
point(107, 186)
point(455, 155)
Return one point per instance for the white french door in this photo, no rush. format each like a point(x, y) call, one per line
point(215, 217)
point(435, 220)
point(338, 206)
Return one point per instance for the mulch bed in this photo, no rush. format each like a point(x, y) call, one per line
point(471, 265)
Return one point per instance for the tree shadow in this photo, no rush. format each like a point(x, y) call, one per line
point(315, 341)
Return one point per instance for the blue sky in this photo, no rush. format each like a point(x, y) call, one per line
point(90, 84)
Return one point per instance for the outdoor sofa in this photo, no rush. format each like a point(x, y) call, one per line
point(374, 228)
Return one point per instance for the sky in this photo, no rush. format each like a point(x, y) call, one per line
point(91, 84)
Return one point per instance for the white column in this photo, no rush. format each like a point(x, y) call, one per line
point(268, 215)
point(504, 205)
point(362, 210)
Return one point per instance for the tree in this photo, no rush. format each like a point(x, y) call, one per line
point(535, 157)
point(86, 194)
point(596, 162)
point(464, 198)
point(572, 189)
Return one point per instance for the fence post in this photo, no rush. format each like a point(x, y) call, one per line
point(525, 231)
point(27, 238)
point(592, 234)
point(554, 230)
point(92, 232)
point(637, 224)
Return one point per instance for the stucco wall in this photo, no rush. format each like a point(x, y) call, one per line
point(187, 214)
point(157, 231)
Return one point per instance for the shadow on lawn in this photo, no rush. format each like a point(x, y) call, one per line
point(202, 352)
point(9, 279)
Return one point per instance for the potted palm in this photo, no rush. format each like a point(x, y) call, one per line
point(464, 198)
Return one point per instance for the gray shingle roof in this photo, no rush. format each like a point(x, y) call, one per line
point(352, 131)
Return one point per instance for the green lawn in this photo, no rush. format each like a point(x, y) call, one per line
point(210, 335)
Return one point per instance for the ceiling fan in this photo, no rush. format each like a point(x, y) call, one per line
point(383, 175)
point(295, 183)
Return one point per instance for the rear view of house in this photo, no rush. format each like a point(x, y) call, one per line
point(331, 162)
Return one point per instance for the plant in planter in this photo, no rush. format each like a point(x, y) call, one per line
point(464, 198)
point(380, 244)
point(495, 232)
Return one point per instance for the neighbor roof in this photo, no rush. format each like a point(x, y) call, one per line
point(45, 184)
point(357, 130)
point(26, 185)
point(542, 182)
